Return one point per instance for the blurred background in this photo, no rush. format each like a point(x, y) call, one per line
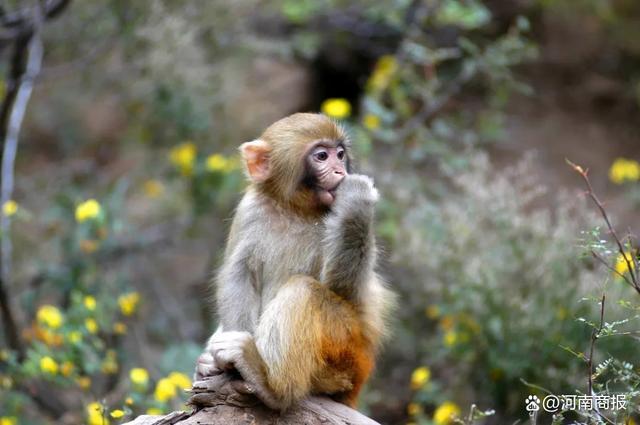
point(116, 208)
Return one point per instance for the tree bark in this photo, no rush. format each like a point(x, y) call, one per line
point(223, 405)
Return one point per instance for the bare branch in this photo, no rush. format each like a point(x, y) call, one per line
point(612, 269)
point(594, 337)
point(603, 212)
point(10, 148)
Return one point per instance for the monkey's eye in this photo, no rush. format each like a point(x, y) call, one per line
point(321, 156)
point(341, 154)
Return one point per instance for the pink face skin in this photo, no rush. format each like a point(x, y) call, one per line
point(327, 163)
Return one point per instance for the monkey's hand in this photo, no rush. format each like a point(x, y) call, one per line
point(206, 366)
point(356, 190)
point(237, 351)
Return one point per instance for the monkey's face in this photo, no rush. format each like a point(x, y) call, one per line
point(326, 167)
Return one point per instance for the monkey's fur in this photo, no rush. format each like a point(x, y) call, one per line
point(301, 308)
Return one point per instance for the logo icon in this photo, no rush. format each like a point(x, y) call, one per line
point(533, 403)
point(551, 403)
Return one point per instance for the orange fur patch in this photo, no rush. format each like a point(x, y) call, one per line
point(344, 348)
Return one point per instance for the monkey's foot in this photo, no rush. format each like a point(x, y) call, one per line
point(222, 389)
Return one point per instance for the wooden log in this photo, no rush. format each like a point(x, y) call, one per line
point(220, 403)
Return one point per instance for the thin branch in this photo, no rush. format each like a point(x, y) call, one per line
point(10, 148)
point(25, 62)
point(603, 212)
point(612, 269)
point(22, 17)
point(594, 337)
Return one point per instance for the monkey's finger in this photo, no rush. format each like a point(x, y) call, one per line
point(209, 384)
point(207, 361)
point(206, 366)
point(243, 387)
point(226, 359)
point(204, 371)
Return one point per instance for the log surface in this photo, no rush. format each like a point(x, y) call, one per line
point(216, 404)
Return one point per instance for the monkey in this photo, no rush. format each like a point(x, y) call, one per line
point(302, 310)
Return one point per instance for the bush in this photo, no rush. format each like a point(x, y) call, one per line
point(501, 283)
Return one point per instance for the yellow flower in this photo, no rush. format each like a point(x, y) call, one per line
point(153, 188)
point(139, 376)
point(414, 409)
point(154, 411)
point(336, 108)
point(450, 338)
point(10, 208)
point(74, 337)
point(95, 414)
point(50, 316)
point(89, 303)
point(88, 210)
point(117, 414)
point(621, 263)
point(432, 312)
point(420, 377)
point(165, 390)
point(624, 170)
point(48, 365)
point(84, 382)
point(371, 121)
point(445, 412)
point(383, 71)
point(216, 162)
point(119, 328)
point(93, 408)
point(183, 157)
point(128, 401)
point(66, 369)
point(180, 380)
point(8, 420)
point(128, 303)
point(91, 325)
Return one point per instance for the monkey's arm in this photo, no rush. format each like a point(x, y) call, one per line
point(238, 303)
point(237, 298)
point(349, 243)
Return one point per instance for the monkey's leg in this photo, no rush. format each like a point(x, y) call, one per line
point(307, 341)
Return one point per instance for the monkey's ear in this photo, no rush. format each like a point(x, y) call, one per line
point(256, 158)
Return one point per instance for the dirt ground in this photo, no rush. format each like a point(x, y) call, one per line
point(557, 125)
